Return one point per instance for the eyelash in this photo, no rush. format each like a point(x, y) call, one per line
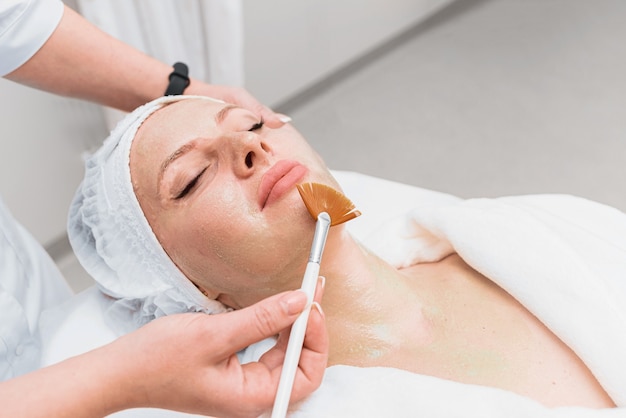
point(189, 187)
point(256, 126)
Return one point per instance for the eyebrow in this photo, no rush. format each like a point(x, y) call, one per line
point(221, 115)
point(186, 148)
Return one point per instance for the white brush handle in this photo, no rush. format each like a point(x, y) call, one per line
point(294, 346)
point(298, 329)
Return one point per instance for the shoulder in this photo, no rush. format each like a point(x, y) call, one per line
point(25, 25)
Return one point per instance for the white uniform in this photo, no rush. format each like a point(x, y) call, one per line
point(29, 280)
point(25, 25)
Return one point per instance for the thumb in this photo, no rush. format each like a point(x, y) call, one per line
point(262, 320)
point(270, 118)
point(274, 120)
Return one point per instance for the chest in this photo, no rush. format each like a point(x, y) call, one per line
point(470, 330)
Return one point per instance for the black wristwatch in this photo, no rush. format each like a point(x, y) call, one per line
point(179, 80)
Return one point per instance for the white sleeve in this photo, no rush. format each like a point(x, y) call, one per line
point(30, 282)
point(25, 25)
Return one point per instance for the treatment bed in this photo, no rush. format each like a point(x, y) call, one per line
point(563, 258)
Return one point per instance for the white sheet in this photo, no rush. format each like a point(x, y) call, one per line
point(562, 257)
point(384, 392)
point(587, 240)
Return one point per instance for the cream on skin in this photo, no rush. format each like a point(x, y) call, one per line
point(218, 189)
point(224, 157)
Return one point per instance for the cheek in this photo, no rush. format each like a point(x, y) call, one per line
point(288, 140)
point(227, 223)
point(209, 238)
point(226, 245)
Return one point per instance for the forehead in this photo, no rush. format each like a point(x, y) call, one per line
point(177, 123)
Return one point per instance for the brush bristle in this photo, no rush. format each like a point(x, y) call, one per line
point(320, 198)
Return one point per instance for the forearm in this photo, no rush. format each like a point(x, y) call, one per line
point(79, 60)
point(94, 384)
point(185, 362)
point(41, 393)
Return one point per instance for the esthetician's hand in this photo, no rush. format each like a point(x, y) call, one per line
point(188, 361)
point(241, 97)
point(183, 362)
point(79, 60)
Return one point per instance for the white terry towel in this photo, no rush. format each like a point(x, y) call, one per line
point(562, 257)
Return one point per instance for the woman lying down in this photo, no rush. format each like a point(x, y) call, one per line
point(191, 205)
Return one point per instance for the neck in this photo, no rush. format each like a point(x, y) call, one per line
point(361, 298)
point(353, 276)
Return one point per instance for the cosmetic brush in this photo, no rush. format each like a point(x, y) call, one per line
point(328, 207)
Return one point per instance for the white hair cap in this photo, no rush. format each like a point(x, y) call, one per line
point(115, 243)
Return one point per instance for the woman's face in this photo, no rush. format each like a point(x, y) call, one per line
point(218, 189)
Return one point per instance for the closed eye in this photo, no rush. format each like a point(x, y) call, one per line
point(256, 126)
point(190, 186)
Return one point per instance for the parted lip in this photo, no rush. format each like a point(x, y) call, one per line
point(278, 180)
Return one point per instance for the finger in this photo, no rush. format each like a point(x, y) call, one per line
point(241, 97)
point(274, 120)
point(270, 118)
point(276, 355)
point(261, 320)
point(319, 289)
point(314, 357)
point(316, 337)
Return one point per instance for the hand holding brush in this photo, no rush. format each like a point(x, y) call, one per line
point(328, 207)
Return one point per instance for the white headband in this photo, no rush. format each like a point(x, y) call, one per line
point(113, 239)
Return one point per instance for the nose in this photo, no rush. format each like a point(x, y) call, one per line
point(249, 152)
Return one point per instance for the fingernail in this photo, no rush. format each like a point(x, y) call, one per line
point(318, 307)
point(294, 302)
point(322, 281)
point(215, 99)
point(284, 118)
